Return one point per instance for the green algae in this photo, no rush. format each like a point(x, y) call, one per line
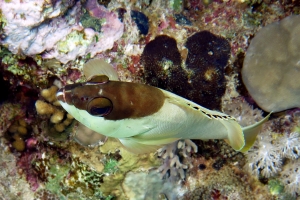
point(72, 41)
point(88, 21)
point(275, 187)
point(111, 166)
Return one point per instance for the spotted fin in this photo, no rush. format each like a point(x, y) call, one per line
point(99, 67)
point(250, 133)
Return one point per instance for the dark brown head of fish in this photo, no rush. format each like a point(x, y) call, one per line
point(113, 100)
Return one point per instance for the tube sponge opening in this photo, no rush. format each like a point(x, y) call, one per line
point(271, 67)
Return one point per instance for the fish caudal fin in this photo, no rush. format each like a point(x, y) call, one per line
point(235, 135)
point(250, 133)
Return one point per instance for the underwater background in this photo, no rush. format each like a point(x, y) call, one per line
point(240, 57)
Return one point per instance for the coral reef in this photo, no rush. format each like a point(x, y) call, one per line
point(276, 151)
point(59, 118)
point(270, 71)
point(45, 41)
point(149, 186)
point(9, 113)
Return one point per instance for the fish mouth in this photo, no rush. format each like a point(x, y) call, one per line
point(60, 95)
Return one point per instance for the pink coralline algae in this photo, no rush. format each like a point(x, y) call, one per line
point(25, 31)
point(54, 29)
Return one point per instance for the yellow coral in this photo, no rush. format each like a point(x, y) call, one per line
point(51, 108)
point(49, 94)
point(43, 108)
point(19, 143)
point(57, 116)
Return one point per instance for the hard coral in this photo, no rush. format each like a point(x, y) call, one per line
point(150, 186)
point(18, 131)
point(271, 66)
point(58, 117)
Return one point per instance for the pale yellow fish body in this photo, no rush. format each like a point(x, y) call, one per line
point(171, 118)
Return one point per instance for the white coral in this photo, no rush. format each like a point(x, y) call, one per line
point(290, 176)
point(289, 145)
point(264, 159)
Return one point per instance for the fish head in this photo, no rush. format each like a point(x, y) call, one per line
point(87, 96)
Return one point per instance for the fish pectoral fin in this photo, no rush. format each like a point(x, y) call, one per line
point(251, 132)
point(136, 147)
point(99, 67)
point(144, 146)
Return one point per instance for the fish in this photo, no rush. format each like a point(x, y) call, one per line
point(144, 118)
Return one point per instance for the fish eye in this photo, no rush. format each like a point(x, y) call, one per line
point(99, 106)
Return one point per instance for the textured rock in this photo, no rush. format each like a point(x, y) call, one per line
point(271, 67)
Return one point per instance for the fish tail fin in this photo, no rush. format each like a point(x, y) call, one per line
point(251, 132)
point(235, 135)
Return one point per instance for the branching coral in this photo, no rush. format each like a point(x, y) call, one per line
point(289, 145)
point(270, 150)
point(173, 155)
point(264, 158)
point(58, 117)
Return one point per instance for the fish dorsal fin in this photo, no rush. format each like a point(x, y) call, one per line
point(99, 67)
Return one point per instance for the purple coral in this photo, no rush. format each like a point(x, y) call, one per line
point(171, 154)
point(31, 29)
point(26, 30)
